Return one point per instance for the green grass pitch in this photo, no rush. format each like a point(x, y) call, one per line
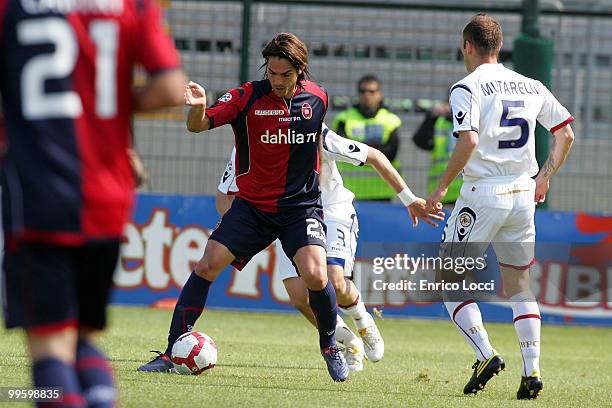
point(272, 360)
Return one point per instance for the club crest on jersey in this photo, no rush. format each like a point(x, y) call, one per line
point(306, 111)
point(226, 97)
point(466, 218)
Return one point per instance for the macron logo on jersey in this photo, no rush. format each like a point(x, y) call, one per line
point(288, 138)
point(460, 116)
point(353, 148)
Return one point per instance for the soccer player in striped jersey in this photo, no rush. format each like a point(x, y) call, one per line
point(495, 112)
point(277, 124)
point(342, 231)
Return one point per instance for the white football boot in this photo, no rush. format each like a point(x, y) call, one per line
point(373, 342)
point(352, 346)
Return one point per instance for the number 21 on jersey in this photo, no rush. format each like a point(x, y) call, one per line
point(59, 64)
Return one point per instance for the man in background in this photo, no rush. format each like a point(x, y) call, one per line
point(372, 123)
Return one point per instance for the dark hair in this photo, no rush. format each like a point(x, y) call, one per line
point(367, 78)
point(485, 33)
point(288, 46)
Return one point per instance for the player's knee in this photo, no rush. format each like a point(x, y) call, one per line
point(60, 344)
point(206, 269)
point(338, 282)
point(315, 278)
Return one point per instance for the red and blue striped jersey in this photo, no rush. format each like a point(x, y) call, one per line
point(277, 154)
point(66, 86)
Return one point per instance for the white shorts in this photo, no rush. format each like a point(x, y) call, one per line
point(496, 211)
point(342, 236)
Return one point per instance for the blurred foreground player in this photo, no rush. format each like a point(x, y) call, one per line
point(495, 112)
point(277, 126)
point(67, 183)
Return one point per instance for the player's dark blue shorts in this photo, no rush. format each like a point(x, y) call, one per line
point(246, 230)
point(50, 287)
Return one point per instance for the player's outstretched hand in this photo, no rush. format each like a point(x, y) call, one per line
point(542, 187)
point(434, 200)
point(420, 209)
point(195, 95)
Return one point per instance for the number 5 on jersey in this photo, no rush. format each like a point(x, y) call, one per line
point(520, 122)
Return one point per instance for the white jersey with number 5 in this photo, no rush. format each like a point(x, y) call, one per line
point(503, 107)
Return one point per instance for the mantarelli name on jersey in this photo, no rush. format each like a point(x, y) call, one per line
point(503, 107)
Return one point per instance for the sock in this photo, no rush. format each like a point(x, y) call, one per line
point(323, 304)
point(340, 322)
point(95, 376)
point(359, 314)
point(188, 308)
point(51, 372)
point(468, 319)
point(344, 334)
point(527, 324)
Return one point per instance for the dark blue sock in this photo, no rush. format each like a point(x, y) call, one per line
point(323, 304)
point(188, 308)
point(51, 372)
point(95, 376)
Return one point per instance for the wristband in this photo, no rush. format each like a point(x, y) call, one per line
point(406, 196)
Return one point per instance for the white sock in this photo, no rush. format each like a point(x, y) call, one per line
point(359, 314)
point(468, 319)
point(344, 335)
point(527, 324)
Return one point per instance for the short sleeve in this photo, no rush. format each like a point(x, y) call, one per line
point(336, 147)
point(553, 116)
point(155, 48)
point(227, 108)
point(465, 110)
point(227, 183)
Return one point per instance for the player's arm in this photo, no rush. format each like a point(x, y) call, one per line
point(162, 90)
point(562, 143)
point(466, 119)
point(225, 110)
point(468, 140)
point(555, 117)
point(336, 147)
point(195, 97)
point(154, 50)
point(417, 206)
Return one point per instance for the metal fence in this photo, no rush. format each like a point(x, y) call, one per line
point(413, 49)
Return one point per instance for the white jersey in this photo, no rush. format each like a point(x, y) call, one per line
point(503, 106)
point(333, 192)
point(338, 148)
